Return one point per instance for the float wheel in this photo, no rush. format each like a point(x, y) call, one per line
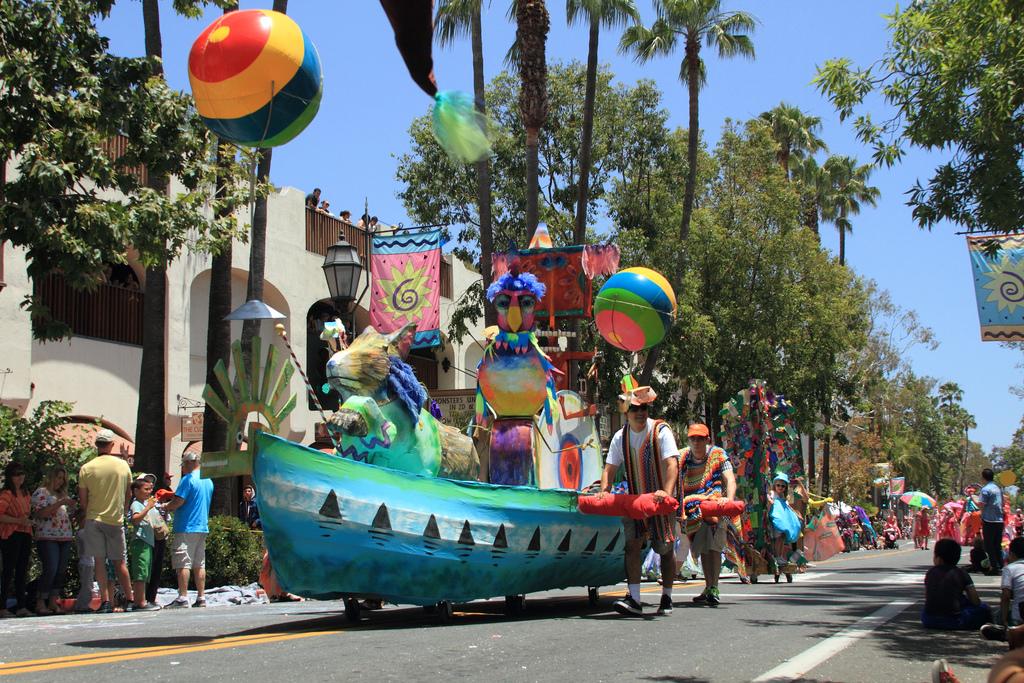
point(514, 605)
point(444, 610)
point(352, 609)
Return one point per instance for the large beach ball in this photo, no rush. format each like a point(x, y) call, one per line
point(255, 77)
point(634, 309)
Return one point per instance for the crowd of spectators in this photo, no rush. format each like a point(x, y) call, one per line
point(366, 222)
point(123, 528)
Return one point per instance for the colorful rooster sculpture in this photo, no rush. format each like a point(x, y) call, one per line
point(515, 379)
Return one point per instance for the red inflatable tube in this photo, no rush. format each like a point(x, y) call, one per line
point(627, 505)
point(720, 507)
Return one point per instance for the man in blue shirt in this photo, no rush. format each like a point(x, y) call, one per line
point(191, 507)
point(992, 521)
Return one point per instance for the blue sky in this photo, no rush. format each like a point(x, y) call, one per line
point(350, 149)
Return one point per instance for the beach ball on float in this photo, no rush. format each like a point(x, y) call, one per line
point(256, 78)
point(634, 309)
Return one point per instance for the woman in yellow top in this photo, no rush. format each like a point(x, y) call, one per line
point(15, 538)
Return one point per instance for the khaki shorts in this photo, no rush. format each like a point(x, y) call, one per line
point(188, 551)
point(709, 538)
point(640, 530)
point(104, 541)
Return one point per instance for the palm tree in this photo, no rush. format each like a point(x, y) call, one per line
point(532, 22)
point(598, 13)
point(815, 187)
point(850, 188)
point(454, 19)
point(795, 132)
point(950, 394)
point(150, 441)
point(697, 21)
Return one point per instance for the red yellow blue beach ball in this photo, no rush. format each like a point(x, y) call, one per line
point(256, 78)
point(634, 309)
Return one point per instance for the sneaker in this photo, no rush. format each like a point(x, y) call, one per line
point(148, 607)
point(665, 607)
point(628, 606)
point(713, 599)
point(23, 612)
point(941, 673)
point(104, 608)
point(200, 602)
point(178, 603)
point(993, 632)
point(701, 598)
point(5, 614)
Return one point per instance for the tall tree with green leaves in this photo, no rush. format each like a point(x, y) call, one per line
point(815, 186)
point(952, 73)
point(695, 22)
point(456, 18)
point(596, 13)
point(795, 132)
point(532, 24)
point(849, 190)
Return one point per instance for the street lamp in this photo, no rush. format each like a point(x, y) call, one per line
point(342, 268)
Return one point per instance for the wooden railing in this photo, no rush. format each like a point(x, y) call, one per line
point(323, 230)
point(115, 148)
point(446, 279)
point(108, 312)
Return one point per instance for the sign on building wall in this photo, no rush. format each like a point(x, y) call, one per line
point(192, 427)
point(457, 405)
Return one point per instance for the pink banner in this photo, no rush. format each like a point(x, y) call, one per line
point(406, 288)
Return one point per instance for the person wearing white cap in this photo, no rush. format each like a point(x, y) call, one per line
point(104, 490)
point(191, 525)
point(647, 450)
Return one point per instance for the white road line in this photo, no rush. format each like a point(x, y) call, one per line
point(799, 665)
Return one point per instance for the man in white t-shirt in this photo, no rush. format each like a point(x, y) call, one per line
point(648, 439)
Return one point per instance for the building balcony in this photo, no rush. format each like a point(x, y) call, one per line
point(323, 230)
point(108, 312)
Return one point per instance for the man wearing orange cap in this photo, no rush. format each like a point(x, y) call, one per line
point(649, 453)
point(706, 473)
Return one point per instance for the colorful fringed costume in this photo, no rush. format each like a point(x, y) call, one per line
point(643, 474)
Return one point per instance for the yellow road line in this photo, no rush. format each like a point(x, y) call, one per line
point(70, 661)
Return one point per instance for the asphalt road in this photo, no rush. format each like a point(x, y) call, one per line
point(851, 619)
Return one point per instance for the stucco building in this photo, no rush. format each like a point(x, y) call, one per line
point(98, 367)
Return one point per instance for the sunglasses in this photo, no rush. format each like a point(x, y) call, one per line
point(637, 409)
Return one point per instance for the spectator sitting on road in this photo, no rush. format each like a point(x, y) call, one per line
point(950, 600)
point(191, 525)
point(140, 550)
point(313, 198)
point(248, 512)
point(979, 558)
point(1011, 599)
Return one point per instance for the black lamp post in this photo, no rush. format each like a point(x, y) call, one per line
point(342, 268)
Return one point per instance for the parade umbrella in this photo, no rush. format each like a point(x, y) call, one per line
point(918, 499)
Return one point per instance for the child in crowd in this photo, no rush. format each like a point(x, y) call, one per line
point(1012, 594)
point(950, 599)
point(979, 558)
point(140, 550)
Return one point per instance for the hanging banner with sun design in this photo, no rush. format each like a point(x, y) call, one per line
point(999, 286)
point(406, 270)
